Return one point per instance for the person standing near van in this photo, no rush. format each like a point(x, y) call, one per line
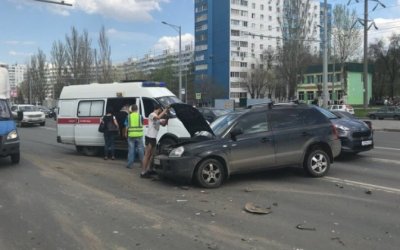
point(111, 130)
point(155, 120)
point(134, 133)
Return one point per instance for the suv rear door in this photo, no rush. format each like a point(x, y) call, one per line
point(290, 135)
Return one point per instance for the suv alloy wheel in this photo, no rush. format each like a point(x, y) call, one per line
point(317, 162)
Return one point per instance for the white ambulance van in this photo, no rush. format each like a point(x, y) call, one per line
point(81, 107)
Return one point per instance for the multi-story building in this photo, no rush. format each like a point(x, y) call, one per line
point(151, 62)
point(231, 37)
point(348, 90)
point(16, 74)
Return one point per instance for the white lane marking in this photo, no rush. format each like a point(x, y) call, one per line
point(387, 148)
point(384, 160)
point(363, 185)
point(48, 128)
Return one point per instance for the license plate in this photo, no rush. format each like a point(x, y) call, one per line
point(157, 161)
point(366, 143)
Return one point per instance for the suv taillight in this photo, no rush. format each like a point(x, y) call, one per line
point(334, 131)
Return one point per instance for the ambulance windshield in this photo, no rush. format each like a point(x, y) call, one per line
point(168, 100)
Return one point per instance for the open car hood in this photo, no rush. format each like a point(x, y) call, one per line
point(191, 118)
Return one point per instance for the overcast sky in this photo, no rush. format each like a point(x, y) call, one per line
point(133, 27)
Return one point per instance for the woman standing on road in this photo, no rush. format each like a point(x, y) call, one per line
point(111, 130)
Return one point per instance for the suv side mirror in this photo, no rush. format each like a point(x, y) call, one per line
point(20, 115)
point(235, 132)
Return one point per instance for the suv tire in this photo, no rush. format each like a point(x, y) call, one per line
point(210, 173)
point(317, 162)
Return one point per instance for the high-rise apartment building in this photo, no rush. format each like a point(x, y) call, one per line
point(231, 37)
point(16, 74)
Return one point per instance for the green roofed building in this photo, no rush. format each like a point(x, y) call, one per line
point(349, 92)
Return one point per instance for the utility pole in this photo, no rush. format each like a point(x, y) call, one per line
point(325, 93)
point(367, 26)
point(365, 77)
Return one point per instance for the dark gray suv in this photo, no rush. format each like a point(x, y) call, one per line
point(251, 140)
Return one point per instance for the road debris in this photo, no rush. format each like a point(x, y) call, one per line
point(369, 191)
point(339, 185)
point(184, 187)
point(255, 209)
point(181, 200)
point(304, 227)
point(338, 240)
point(248, 190)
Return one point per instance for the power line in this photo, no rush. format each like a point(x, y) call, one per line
point(54, 2)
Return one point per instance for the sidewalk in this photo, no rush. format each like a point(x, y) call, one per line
point(385, 125)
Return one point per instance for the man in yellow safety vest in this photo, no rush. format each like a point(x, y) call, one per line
point(134, 133)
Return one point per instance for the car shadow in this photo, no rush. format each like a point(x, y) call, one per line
point(347, 157)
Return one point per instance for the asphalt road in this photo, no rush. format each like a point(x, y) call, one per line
point(58, 199)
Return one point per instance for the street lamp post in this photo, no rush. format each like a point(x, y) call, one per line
point(178, 29)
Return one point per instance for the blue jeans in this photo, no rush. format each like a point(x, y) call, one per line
point(109, 146)
point(135, 144)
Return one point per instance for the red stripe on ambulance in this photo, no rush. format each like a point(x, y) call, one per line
point(67, 120)
point(89, 120)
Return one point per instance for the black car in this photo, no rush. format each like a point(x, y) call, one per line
point(356, 135)
point(250, 140)
point(210, 114)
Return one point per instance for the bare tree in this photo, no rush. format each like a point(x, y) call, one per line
point(261, 76)
point(59, 61)
point(298, 33)
point(79, 57)
point(346, 37)
point(36, 77)
point(104, 57)
point(86, 55)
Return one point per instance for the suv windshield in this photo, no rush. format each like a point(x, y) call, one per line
point(4, 111)
point(220, 125)
point(327, 113)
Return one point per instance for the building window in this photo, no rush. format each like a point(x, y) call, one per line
point(310, 95)
point(310, 79)
point(319, 78)
point(301, 95)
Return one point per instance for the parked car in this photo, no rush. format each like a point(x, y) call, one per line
point(30, 114)
point(347, 115)
point(250, 140)
point(45, 110)
point(356, 135)
point(210, 114)
point(385, 112)
point(342, 107)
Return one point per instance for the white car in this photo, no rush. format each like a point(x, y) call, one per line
point(31, 114)
point(342, 107)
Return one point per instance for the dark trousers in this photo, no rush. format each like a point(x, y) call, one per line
point(109, 144)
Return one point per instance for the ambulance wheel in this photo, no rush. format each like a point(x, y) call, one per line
point(79, 149)
point(15, 158)
point(90, 150)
